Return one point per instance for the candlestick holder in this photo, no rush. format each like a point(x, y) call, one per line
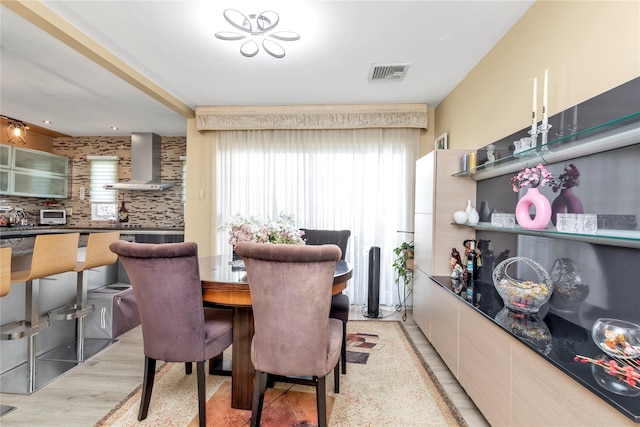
point(544, 130)
point(534, 137)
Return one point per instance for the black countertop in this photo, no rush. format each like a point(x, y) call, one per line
point(34, 230)
point(556, 339)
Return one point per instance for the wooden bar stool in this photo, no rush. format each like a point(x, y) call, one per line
point(52, 254)
point(97, 254)
point(5, 271)
point(5, 286)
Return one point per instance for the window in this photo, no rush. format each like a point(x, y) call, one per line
point(361, 180)
point(104, 203)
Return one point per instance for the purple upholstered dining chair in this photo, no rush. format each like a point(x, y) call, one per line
point(175, 325)
point(294, 336)
point(340, 302)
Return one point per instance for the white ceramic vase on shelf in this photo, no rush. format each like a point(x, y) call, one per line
point(460, 217)
point(473, 217)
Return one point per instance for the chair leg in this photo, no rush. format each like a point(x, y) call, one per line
point(188, 369)
point(271, 381)
point(214, 362)
point(147, 386)
point(321, 401)
point(343, 356)
point(258, 397)
point(202, 393)
point(336, 378)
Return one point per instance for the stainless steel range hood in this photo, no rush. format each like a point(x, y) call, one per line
point(145, 165)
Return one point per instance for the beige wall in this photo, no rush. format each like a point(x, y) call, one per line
point(589, 47)
point(199, 208)
point(427, 138)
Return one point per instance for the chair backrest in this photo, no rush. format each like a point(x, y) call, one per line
point(52, 254)
point(98, 253)
point(325, 237)
point(5, 271)
point(291, 296)
point(166, 284)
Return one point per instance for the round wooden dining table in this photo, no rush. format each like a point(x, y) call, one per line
point(224, 282)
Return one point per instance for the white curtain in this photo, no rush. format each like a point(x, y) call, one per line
point(361, 180)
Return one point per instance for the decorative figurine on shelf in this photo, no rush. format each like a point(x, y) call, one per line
point(455, 254)
point(470, 246)
point(456, 269)
point(475, 258)
point(491, 153)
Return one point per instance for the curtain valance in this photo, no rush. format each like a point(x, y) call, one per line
point(312, 117)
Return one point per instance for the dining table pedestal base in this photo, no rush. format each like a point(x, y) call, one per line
point(242, 379)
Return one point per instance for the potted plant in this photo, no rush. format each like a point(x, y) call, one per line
point(403, 263)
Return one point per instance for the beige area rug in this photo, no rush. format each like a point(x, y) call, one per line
point(387, 384)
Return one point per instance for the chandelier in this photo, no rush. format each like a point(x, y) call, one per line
point(257, 29)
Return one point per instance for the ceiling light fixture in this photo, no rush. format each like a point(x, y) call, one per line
point(257, 28)
point(16, 131)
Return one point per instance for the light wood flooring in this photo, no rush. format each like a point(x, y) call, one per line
point(88, 392)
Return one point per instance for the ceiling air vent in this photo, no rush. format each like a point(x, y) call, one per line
point(388, 72)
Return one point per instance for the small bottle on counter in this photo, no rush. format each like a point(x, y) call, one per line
point(123, 213)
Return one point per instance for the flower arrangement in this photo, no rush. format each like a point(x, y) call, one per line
point(531, 177)
point(568, 179)
point(625, 371)
point(281, 230)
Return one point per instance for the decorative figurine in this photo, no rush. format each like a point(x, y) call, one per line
point(456, 269)
point(491, 156)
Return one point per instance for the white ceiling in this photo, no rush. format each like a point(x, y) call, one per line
point(173, 44)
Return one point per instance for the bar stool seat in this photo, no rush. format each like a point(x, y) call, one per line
point(52, 254)
point(97, 254)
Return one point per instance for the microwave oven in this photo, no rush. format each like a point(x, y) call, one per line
point(53, 217)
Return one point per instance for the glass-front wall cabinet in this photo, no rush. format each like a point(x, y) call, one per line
point(4, 168)
point(26, 172)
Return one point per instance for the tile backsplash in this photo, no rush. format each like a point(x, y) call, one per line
point(146, 208)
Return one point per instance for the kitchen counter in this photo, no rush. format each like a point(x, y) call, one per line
point(22, 238)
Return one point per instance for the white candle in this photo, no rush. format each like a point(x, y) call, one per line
point(545, 107)
point(534, 105)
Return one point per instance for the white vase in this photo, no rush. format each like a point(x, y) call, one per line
point(460, 217)
point(469, 207)
point(473, 217)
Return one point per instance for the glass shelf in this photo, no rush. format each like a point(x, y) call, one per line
point(622, 238)
point(616, 133)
